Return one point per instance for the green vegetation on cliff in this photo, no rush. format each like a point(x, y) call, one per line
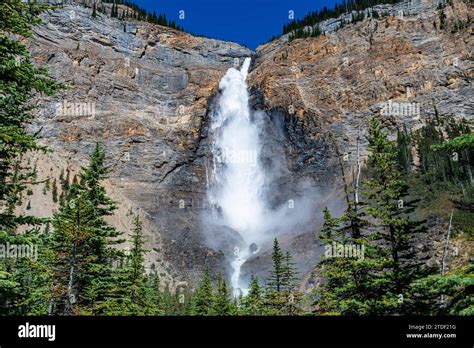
point(297, 28)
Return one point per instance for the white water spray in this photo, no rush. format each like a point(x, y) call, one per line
point(238, 176)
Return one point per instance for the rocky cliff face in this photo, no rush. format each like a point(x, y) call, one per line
point(334, 83)
point(396, 68)
point(142, 90)
point(145, 91)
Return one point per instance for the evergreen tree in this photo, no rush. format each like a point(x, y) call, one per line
point(153, 295)
point(55, 191)
point(71, 254)
point(351, 282)
point(275, 280)
point(20, 82)
point(222, 304)
point(137, 252)
point(129, 295)
point(389, 206)
point(404, 151)
point(88, 200)
point(168, 304)
point(379, 282)
point(65, 184)
point(291, 282)
point(203, 300)
point(296, 28)
point(276, 295)
point(456, 287)
point(329, 225)
point(282, 295)
point(254, 302)
point(94, 11)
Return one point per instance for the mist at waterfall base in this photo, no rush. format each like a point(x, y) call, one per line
point(248, 160)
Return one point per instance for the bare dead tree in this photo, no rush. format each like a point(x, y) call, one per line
point(445, 252)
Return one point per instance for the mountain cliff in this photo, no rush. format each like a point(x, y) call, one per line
point(145, 92)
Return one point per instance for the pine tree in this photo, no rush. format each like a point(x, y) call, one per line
point(47, 186)
point(92, 283)
point(65, 185)
point(281, 293)
point(203, 300)
point(254, 302)
point(21, 81)
point(94, 11)
point(455, 286)
point(351, 282)
point(167, 297)
point(72, 228)
point(276, 275)
point(379, 282)
point(222, 304)
point(55, 191)
point(387, 195)
point(137, 252)
point(128, 296)
point(293, 296)
point(329, 225)
point(275, 286)
point(404, 151)
point(153, 295)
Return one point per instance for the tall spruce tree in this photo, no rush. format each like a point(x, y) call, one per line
point(254, 302)
point(153, 294)
point(351, 282)
point(72, 228)
point(379, 281)
point(222, 304)
point(275, 279)
point(281, 293)
point(404, 156)
point(329, 225)
point(20, 81)
point(291, 280)
point(390, 207)
point(96, 279)
point(129, 294)
point(203, 299)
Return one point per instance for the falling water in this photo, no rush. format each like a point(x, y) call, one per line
point(237, 173)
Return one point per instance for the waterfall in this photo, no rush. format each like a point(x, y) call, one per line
point(250, 204)
point(238, 177)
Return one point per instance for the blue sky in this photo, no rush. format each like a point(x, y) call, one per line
point(248, 22)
